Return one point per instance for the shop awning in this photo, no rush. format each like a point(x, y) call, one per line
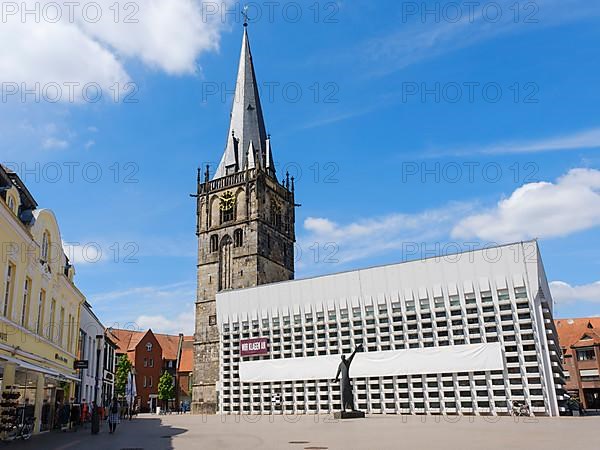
point(29, 366)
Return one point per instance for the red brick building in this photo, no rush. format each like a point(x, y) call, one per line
point(151, 354)
point(580, 344)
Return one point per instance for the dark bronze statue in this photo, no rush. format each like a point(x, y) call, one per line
point(346, 386)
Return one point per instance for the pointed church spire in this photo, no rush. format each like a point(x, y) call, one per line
point(247, 122)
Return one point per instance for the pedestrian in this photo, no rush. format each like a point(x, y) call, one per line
point(113, 415)
point(64, 415)
point(85, 412)
point(74, 415)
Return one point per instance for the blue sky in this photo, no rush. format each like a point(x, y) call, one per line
point(401, 127)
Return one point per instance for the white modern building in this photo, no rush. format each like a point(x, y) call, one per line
point(463, 334)
point(91, 349)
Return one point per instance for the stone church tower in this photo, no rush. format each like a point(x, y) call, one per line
point(245, 226)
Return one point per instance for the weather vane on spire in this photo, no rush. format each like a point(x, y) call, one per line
point(245, 15)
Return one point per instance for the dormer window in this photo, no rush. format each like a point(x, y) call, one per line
point(11, 203)
point(45, 246)
point(149, 346)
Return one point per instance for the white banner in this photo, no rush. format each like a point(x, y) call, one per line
point(458, 358)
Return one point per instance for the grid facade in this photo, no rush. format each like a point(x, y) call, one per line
point(509, 312)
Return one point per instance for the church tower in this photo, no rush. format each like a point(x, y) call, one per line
point(245, 225)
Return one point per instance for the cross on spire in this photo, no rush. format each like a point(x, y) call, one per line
point(245, 15)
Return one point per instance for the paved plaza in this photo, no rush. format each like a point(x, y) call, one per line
point(186, 432)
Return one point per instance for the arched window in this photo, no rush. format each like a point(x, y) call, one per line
point(238, 238)
point(149, 346)
point(275, 215)
point(225, 272)
point(45, 246)
point(214, 243)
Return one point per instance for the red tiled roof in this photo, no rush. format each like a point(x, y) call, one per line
point(186, 364)
point(570, 331)
point(169, 344)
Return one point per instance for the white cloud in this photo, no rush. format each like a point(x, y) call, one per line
point(424, 36)
point(581, 140)
point(169, 35)
point(174, 324)
point(166, 308)
point(89, 144)
point(174, 291)
point(83, 254)
point(565, 293)
point(541, 210)
point(52, 143)
point(345, 243)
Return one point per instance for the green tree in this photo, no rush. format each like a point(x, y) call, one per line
point(124, 367)
point(166, 388)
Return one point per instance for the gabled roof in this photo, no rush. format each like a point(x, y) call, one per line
point(571, 332)
point(246, 145)
point(128, 340)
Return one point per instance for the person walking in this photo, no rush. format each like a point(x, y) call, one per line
point(114, 415)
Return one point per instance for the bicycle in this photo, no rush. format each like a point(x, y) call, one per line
point(520, 409)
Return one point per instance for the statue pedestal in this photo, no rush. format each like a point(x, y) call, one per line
point(349, 415)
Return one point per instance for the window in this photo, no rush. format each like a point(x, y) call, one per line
point(238, 237)
point(276, 215)
point(586, 354)
point(25, 309)
point(149, 381)
point(520, 292)
point(589, 374)
point(145, 362)
point(145, 381)
point(11, 203)
point(503, 294)
point(40, 313)
point(61, 324)
point(214, 243)
point(149, 346)
point(50, 333)
point(45, 246)
point(8, 288)
point(151, 362)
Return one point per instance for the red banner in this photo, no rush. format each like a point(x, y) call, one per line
point(253, 347)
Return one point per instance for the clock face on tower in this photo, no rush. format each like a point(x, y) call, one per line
point(227, 201)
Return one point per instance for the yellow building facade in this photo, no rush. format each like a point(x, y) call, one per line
point(39, 305)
